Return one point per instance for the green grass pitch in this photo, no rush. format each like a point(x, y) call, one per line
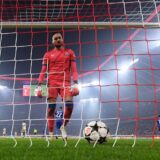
point(143, 150)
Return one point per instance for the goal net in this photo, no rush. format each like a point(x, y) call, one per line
point(117, 46)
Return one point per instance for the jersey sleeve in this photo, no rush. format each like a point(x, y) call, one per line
point(44, 68)
point(72, 55)
point(73, 65)
point(45, 59)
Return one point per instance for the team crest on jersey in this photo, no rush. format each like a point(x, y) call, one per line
point(67, 54)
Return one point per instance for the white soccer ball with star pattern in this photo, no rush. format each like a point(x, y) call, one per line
point(96, 131)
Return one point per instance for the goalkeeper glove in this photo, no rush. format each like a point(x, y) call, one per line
point(75, 89)
point(39, 91)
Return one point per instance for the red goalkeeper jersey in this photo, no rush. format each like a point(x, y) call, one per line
point(60, 64)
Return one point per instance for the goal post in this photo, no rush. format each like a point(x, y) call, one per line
point(70, 25)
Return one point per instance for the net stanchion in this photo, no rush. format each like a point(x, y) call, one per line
point(81, 128)
point(116, 134)
point(13, 99)
point(30, 107)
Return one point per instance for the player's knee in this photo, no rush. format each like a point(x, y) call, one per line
point(69, 98)
point(50, 112)
point(51, 100)
point(69, 104)
point(51, 109)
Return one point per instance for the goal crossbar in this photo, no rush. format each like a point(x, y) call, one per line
point(80, 24)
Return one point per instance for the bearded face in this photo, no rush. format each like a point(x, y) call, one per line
point(57, 40)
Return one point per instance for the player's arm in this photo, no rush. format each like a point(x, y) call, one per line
point(43, 69)
point(74, 71)
point(73, 66)
point(75, 89)
point(42, 75)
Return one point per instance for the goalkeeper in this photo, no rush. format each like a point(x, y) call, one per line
point(60, 64)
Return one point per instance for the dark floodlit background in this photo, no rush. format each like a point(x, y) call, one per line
point(119, 69)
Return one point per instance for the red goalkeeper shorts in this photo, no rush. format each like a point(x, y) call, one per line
point(58, 88)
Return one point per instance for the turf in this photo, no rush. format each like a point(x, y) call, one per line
point(143, 150)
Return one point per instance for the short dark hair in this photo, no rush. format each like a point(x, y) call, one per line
point(57, 33)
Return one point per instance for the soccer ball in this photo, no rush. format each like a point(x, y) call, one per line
point(96, 131)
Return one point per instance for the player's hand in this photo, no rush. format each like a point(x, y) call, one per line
point(75, 90)
point(39, 91)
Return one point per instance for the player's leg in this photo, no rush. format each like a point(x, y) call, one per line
point(68, 99)
point(50, 115)
point(58, 126)
point(52, 97)
point(23, 133)
point(56, 130)
point(68, 110)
